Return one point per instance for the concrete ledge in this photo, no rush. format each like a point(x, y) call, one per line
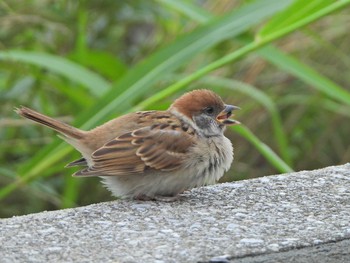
point(270, 219)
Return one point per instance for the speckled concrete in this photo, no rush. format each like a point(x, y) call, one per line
point(334, 252)
point(221, 223)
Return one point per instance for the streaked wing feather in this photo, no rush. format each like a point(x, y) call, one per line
point(80, 162)
point(157, 147)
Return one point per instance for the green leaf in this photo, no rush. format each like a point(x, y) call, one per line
point(102, 62)
point(294, 13)
point(291, 65)
point(305, 13)
point(72, 71)
point(266, 151)
point(188, 9)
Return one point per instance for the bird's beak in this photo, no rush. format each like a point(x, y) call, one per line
point(224, 116)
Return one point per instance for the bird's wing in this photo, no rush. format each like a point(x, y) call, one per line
point(160, 147)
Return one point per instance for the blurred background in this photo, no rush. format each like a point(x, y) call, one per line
point(86, 62)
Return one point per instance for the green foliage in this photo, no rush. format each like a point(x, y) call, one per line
point(305, 73)
point(72, 71)
point(94, 62)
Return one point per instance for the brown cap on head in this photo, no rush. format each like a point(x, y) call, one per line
point(195, 101)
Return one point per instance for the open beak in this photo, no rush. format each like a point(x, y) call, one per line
point(224, 116)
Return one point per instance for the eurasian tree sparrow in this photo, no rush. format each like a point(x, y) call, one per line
point(154, 155)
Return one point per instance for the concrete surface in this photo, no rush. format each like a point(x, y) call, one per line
point(297, 217)
point(334, 252)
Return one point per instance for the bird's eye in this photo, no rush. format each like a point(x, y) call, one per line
point(209, 110)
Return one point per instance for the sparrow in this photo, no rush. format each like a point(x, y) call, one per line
point(154, 155)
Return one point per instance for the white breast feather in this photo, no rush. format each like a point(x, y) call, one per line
point(209, 160)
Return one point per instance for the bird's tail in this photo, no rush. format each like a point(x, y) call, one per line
point(63, 128)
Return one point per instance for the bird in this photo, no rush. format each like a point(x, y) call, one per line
point(153, 155)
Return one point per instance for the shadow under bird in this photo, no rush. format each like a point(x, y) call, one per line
point(154, 155)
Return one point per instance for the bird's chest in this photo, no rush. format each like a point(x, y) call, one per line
point(210, 158)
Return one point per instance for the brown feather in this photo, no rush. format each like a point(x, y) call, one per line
point(56, 125)
point(160, 146)
point(194, 101)
point(80, 162)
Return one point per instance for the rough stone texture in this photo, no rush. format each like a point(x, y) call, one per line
point(248, 221)
point(336, 252)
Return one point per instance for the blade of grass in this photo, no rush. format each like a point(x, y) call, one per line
point(294, 13)
point(324, 103)
point(305, 73)
point(265, 150)
point(266, 36)
point(330, 47)
point(188, 9)
point(72, 71)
